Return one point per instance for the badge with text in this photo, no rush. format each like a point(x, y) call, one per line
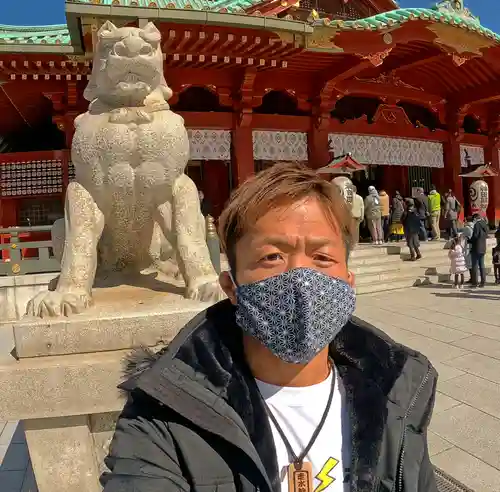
point(300, 479)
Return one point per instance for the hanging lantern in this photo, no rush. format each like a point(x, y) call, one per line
point(479, 197)
point(346, 188)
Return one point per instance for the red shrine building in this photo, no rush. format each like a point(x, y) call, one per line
point(413, 94)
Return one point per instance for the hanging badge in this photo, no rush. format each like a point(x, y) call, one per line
point(300, 479)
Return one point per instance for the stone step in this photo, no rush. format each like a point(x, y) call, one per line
point(400, 283)
point(427, 263)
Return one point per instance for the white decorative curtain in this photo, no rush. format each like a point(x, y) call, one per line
point(209, 145)
point(387, 151)
point(279, 146)
point(471, 155)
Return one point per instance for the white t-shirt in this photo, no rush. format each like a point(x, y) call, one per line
point(298, 412)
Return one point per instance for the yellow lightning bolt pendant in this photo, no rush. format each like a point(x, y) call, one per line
point(323, 475)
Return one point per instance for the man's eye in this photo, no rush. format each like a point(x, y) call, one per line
point(323, 258)
point(272, 257)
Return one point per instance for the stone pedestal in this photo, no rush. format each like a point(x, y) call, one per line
point(63, 383)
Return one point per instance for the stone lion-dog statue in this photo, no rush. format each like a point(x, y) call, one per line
point(131, 204)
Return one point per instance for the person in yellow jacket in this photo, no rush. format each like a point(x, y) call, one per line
point(435, 211)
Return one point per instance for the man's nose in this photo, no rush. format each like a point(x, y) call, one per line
point(299, 260)
point(132, 46)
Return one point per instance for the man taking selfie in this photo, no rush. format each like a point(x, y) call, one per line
point(279, 388)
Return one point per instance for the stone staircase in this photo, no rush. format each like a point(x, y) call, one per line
point(386, 267)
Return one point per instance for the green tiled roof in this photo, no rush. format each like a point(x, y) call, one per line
point(394, 18)
point(52, 35)
point(222, 6)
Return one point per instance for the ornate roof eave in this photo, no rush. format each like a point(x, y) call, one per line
point(35, 39)
point(396, 18)
point(214, 13)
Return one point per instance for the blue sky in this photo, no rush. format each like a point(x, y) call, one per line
point(38, 12)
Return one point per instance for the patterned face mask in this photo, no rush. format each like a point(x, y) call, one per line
point(295, 314)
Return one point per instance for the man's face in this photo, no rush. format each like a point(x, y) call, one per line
point(293, 236)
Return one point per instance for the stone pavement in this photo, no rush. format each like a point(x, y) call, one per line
point(460, 333)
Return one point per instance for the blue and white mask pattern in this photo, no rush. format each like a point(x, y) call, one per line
point(295, 314)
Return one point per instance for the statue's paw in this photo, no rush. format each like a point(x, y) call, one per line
point(206, 292)
point(53, 303)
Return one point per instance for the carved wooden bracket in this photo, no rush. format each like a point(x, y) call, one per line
point(376, 59)
point(246, 99)
point(392, 114)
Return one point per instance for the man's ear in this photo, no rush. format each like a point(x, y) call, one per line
point(351, 279)
point(228, 286)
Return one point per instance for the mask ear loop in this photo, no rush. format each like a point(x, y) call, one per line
point(231, 276)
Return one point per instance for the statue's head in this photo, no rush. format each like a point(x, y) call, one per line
point(128, 66)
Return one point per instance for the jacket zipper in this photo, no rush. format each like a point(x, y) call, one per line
point(399, 480)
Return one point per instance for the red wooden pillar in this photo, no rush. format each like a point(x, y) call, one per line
point(216, 185)
point(8, 212)
point(318, 147)
point(491, 155)
point(242, 163)
point(452, 170)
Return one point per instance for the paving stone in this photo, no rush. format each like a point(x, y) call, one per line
point(476, 392)
point(8, 432)
point(437, 444)
point(480, 365)
point(446, 372)
point(435, 351)
point(29, 482)
point(422, 327)
point(443, 403)
point(16, 458)
point(19, 435)
point(471, 430)
point(11, 481)
point(481, 345)
point(469, 470)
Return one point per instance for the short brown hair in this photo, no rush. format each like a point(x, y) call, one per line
point(279, 185)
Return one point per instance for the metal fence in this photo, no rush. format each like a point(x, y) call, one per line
point(18, 261)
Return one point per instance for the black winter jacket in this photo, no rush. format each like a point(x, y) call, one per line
point(479, 237)
point(195, 421)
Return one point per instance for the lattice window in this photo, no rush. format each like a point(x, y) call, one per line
point(43, 177)
point(37, 212)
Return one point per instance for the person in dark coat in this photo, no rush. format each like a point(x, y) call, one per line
point(279, 385)
point(205, 205)
point(411, 222)
point(478, 249)
point(422, 208)
point(397, 210)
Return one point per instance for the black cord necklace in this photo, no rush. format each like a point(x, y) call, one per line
point(300, 472)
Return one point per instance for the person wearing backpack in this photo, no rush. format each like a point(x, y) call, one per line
point(452, 211)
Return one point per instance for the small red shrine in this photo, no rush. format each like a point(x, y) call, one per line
point(413, 94)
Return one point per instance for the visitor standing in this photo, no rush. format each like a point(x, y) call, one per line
point(452, 211)
point(478, 249)
point(496, 260)
point(411, 223)
point(435, 211)
point(467, 233)
point(358, 213)
point(278, 388)
point(457, 256)
point(373, 215)
point(385, 210)
point(421, 204)
point(398, 208)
